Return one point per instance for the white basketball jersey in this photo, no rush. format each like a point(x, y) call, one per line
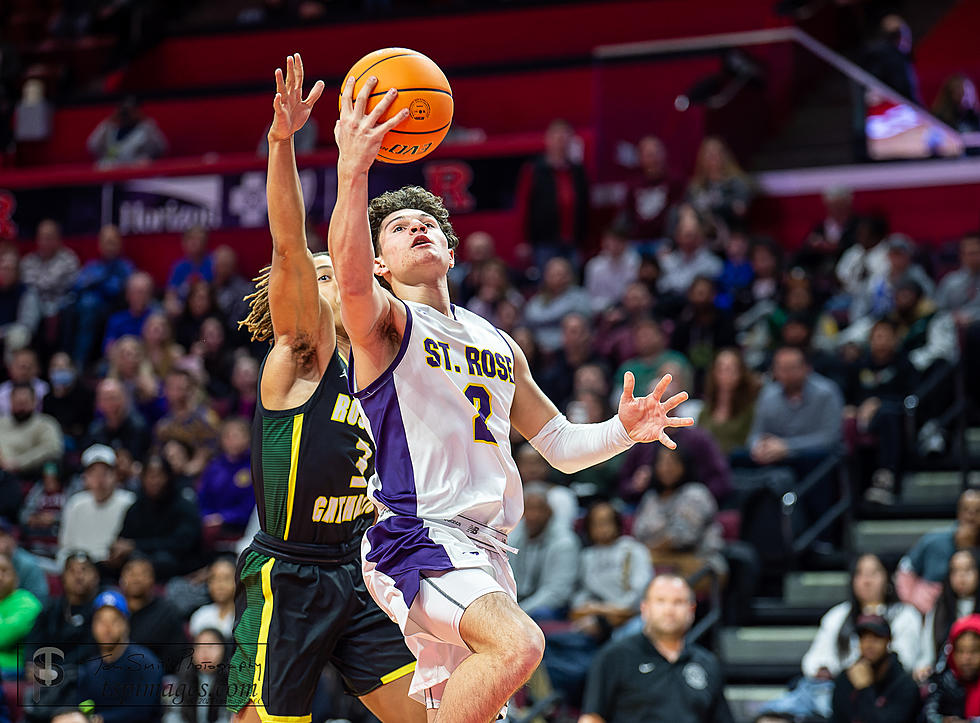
point(440, 417)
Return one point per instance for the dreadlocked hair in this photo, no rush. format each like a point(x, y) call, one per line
point(259, 319)
point(408, 197)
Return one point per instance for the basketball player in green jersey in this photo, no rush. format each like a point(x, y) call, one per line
point(300, 600)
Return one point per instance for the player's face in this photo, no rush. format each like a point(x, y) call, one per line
point(413, 248)
point(328, 287)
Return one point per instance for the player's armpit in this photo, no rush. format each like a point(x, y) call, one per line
point(531, 408)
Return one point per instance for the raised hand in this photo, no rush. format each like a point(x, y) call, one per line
point(291, 111)
point(645, 418)
point(358, 133)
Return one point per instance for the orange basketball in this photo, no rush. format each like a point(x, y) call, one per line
point(422, 88)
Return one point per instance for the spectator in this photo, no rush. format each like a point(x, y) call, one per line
point(66, 621)
point(650, 345)
point(98, 290)
point(219, 614)
point(956, 104)
point(690, 257)
point(960, 597)
point(828, 239)
point(798, 414)
point(229, 287)
point(154, 621)
point(18, 610)
point(199, 306)
point(702, 329)
point(196, 263)
point(614, 333)
point(615, 570)
point(204, 680)
point(23, 368)
point(557, 377)
point(735, 282)
point(557, 297)
point(889, 57)
point(719, 187)
point(921, 572)
point(608, 273)
point(656, 676)
point(120, 691)
point(878, 298)
point(650, 193)
point(553, 198)
point(866, 259)
point(20, 308)
point(51, 269)
point(875, 687)
point(875, 394)
point(126, 137)
point(954, 694)
point(139, 306)
point(40, 515)
point(128, 365)
point(676, 518)
point(244, 384)
point(29, 573)
point(959, 292)
point(547, 564)
point(28, 439)
point(162, 524)
point(33, 114)
point(493, 288)
point(188, 420)
point(730, 396)
point(69, 402)
point(767, 271)
point(466, 275)
point(159, 346)
point(225, 492)
point(926, 335)
point(92, 518)
point(836, 646)
point(118, 425)
point(217, 357)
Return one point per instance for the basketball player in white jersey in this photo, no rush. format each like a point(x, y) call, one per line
point(440, 388)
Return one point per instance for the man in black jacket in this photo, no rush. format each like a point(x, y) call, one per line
point(954, 693)
point(876, 689)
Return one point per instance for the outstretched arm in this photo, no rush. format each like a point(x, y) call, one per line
point(367, 309)
point(294, 298)
point(571, 447)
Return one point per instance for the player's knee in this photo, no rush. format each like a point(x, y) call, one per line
point(526, 648)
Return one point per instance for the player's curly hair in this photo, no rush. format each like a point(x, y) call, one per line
point(409, 197)
point(259, 319)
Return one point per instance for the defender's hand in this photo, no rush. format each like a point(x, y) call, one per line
point(359, 133)
point(291, 111)
point(645, 418)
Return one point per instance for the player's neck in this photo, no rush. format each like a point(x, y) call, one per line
point(434, 294)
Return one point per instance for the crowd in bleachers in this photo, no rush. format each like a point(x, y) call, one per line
point(124, 412)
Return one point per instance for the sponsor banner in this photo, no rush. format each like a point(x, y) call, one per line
point(173, 204)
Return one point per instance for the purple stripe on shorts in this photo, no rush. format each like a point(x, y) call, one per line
point(402, 549)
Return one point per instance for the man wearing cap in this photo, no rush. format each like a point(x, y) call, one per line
point(92, 518)
point(29, 572)
point(122, 679)
point(876, 687)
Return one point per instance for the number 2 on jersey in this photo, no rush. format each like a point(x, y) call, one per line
point(479, 397)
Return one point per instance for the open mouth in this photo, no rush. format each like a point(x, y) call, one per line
point(420, 240)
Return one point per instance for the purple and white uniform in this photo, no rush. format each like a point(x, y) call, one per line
point(447, 488)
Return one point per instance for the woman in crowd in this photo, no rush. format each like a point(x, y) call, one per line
point(960, 597)
point(128, 364)
point(676, 518)
point(731, 390)
point(220, 612)
point(836, 648)
point(161, 350)
point(719, 186)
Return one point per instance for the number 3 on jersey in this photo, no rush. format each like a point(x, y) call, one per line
point(479, 397)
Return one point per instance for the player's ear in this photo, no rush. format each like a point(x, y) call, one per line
point(452, 257)
point(380, 268)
